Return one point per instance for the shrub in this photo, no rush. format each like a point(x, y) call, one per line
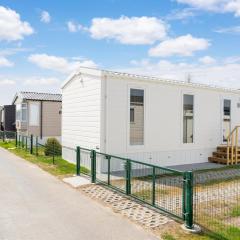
point(52, 146)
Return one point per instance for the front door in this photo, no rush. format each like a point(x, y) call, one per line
point(226, 125)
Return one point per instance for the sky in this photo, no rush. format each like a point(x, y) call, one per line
point(42, 42)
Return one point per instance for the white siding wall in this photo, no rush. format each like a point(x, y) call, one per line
point(163, 122)
point(81, 114)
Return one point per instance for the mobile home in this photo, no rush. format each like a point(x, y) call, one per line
point(148, 119)
point(8, 117)
point(38, 114)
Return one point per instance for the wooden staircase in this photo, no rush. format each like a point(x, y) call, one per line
point(228, 154)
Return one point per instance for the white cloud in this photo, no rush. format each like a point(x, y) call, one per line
point(74, 27)
point(232, 30)
point(6, 82)
point(11, 26)
point(233, 6)
point(181, 14)
point(221, 6)
point(222, 74)
point(4, 62)
point(58, 64)
point(129, 30)
point(181, 46)
point(45, 17)
point(207, 60)
point(35, 81)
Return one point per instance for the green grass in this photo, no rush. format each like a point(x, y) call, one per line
point(168, 237)
point(146, 194)
point(235, 211)
point(60, 167)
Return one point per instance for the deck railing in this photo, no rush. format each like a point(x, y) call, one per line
point(232, 146)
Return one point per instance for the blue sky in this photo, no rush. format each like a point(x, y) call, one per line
point(42, 42)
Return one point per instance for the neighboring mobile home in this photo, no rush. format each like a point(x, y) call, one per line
point(38, 114)
point(148, 119)
point(8, 117)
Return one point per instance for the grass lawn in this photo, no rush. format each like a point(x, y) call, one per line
point(235, 211)
point(225, 233)
point(61, 168)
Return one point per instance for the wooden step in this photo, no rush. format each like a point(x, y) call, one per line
point(217, 160)
point(224, 149)
point(224, 154)
point(221, 160)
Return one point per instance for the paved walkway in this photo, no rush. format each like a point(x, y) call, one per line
point(36, 206)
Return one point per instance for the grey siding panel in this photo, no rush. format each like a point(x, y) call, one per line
point(51, 119)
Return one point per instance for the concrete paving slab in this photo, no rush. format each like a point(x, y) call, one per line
point(77, 181)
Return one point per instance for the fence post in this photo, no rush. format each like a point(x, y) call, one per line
point(93, 165)
point(22, 141)
point(188, 199)
point(31, 144)
point(37, 146)
point(128, 177)
point(3, 136)
point(16, 139)
point(109, 168)
point(78, 159)
point(26, 143)
point(153, 185)
point(53, 153)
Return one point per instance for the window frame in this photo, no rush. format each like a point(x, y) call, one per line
point(222, 98)
point(29, 113)
point(138, 87)
point(182, 118)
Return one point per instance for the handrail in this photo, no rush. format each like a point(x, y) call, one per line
point(232, 143)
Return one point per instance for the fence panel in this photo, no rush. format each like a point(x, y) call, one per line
point(117, 173)
point(162, 188)
point(7, 135)
point(85, 159)
point(217, 201)
point(142, 182)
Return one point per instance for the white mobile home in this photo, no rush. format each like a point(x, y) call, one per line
point(145, 118)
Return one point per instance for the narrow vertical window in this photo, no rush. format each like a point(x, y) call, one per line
point(226, 119)
point(34, 114)
point(136, 117)
point(188, 118)
point(24, 112)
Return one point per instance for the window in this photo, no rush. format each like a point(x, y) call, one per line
point(136, 117)
point(226, 119)
point(34, 114)
point(21, 112)
point(188, 118)
point(18, 112)
point(227, 107)
point(24, 112)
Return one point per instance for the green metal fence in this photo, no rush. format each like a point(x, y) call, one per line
point(216, 199)
point(165, 189)
point(7, 135)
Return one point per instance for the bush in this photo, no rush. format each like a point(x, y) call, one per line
point(52, 146)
